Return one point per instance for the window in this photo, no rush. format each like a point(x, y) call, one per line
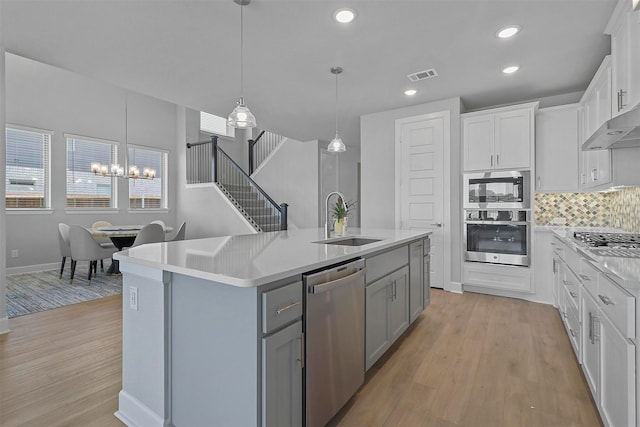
point(148, 193)
point(84, 189)
point(27, 163)
point(215, 124)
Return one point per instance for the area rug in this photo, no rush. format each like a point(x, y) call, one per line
point(32, 292)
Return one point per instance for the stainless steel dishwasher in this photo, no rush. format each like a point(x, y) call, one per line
point(334, 334)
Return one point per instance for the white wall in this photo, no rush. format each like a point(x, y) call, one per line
point(208, 213)
point(290, 175)
point(4, 321)
point(377, 146)
point(339, 172)
point(46, 97)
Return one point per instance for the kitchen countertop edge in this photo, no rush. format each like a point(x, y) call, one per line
point(389, 238)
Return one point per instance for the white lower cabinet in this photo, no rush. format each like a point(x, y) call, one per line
point(387, 313)
point(617, 382)
point(591, 346)
point(282, 377)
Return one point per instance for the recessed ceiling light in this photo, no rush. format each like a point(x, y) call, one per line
point(344, 15)
point(410, 92)
point(510, 70)
point(507, 32)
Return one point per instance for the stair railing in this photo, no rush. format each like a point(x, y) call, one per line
point(261, 147)
point(243, 191)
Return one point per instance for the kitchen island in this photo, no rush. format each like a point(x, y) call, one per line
point(212, 328)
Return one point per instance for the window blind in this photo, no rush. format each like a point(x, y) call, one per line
point(147, 193)
point(27, 169)
point(84, 189)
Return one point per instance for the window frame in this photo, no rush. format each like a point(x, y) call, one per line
point(47, 169)
point(164, 196)
point(115, 145)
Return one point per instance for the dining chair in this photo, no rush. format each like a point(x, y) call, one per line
point(65, 245)
point(181, 232)
point(150, 233)
point(85, 248)
point(161, 222)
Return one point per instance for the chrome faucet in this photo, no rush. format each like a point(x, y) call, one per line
point(326, 203)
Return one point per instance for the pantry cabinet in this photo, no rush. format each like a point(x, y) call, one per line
point(500, 138)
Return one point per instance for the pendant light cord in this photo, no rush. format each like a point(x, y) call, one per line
point(336, 103)
point(241, 54)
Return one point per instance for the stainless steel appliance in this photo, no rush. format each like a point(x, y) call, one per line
point(497, 190)
point(498, 236)
point(626, 245)
point(334, 334)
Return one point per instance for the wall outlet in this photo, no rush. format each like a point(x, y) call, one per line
point(559, 220)
point(15, 253)
point(133, 298)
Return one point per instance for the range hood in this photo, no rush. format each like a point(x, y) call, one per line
point(622, 131)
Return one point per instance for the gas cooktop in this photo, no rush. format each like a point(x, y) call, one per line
point(620, 240)
point(611, 244)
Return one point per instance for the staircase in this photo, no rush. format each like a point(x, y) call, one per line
point(260, 210)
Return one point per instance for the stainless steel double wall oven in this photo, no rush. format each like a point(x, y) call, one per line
point(497, 217)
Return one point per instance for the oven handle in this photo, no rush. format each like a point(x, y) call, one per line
point(498, 222)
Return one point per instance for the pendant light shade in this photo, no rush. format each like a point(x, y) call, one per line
point(241, 117)
point(336, 145)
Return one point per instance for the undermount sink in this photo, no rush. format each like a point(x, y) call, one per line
point(349, 241)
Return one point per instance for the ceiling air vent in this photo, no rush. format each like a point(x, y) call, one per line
point(421, 75)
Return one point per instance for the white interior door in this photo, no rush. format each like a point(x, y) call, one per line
point(420, 182)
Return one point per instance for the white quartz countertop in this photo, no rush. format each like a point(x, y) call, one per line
point(624, 271)
point(252, 260)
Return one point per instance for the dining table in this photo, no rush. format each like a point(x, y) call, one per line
point(122, 236)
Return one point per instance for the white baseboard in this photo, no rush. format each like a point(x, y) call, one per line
point(455, 287)
point(34, 268)
point(134, 413)
point(507, 294)
point(4, 325)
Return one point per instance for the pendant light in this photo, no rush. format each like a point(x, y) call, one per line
point(336, 145)
point(241, 117)
point(116, 170)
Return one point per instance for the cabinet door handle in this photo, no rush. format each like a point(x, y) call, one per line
point(437, 224)
point(606, 300)
point(538, 183)
point(594, 174)
point(287, 307)
point(492, 160)
point(567, 283)
point(573, 334)
point(395, 289)
point(585, 278)
point(564, 314)
point(573, 294)
point(621, 105)
point(301, 360)
point(591, 327)
point(582, 178)
point(555, 266)
point(497, 159)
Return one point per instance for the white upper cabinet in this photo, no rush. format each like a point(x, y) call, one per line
point(624, 28)
point(500, 138)
point(557, 148)
point(595, 109)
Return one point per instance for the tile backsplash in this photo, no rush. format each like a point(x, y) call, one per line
point(619, 209)
point(625, 209)
point(577, 209)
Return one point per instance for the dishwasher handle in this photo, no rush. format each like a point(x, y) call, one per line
point(325, 287)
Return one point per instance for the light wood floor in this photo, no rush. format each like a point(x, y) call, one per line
point(471, 360)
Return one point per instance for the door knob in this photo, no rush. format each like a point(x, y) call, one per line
point(437, 224)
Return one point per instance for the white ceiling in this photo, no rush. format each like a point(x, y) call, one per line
point(187, 52)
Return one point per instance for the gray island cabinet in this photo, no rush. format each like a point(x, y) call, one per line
point(213, 328)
